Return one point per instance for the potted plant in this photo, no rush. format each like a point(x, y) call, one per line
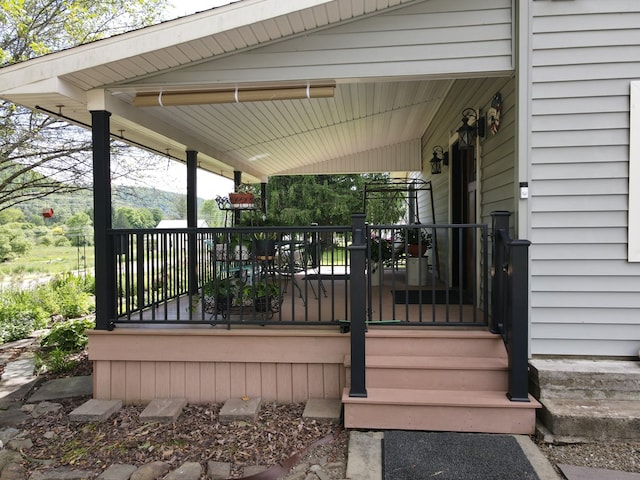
point(264, 244)
point(417, 240)
point(243, 197)
point(381, 250)
point(262, 294)
point(220, 293)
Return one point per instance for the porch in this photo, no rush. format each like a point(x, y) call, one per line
point(401, 354)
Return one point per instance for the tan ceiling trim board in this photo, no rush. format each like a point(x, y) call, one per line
point(169, 99)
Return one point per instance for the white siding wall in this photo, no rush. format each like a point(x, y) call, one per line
point(436, 37)
point(585, 295)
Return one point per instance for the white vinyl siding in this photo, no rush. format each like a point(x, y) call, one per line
point(585, 294)
point(438, 37)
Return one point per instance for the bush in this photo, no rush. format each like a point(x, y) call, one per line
point(69, 336)
point(20, 315)
point(68, 295)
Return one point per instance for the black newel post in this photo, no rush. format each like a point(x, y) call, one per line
point(519, 326)
point(104, 252)
point(192, 220)
point(500, 223)
point(358, 253)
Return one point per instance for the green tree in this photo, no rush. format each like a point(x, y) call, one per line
point(41, 155)
point(11, 215)
point(128, 217)
point(210, 212)
point(79, 229)
point(13, 242)
point(327, 200)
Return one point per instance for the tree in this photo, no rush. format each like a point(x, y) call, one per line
point(79, 229)
point(326, 200)
point(40, 155)
point(128, 217)
point(210, 212)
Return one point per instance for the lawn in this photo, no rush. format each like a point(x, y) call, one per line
point(48, 260)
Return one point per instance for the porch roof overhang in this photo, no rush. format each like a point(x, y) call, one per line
point(378, 112)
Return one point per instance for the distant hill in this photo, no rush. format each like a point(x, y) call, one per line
point(67, 205)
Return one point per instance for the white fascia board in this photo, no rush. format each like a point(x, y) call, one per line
point(103, 100)
point(53, 85)
point(149, 39)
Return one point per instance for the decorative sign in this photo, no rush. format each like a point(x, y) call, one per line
point(494, 113)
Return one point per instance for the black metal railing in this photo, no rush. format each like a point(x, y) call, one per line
point(236, 280)
point(428, 274)
point(510, 306)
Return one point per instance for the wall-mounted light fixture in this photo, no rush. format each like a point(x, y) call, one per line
point(467, 133)
point(440, 157)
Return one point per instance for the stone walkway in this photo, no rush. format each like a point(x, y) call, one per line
point(18, 382)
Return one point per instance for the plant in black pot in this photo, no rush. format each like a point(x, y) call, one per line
point(220, 293)
point(264, 244)
point(264, 295)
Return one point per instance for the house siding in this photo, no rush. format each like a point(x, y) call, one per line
point(584, 292)
point(437, 37)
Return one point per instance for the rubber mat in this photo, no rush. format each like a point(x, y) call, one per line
point(453, 456)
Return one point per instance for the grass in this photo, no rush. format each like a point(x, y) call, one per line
point(48, 260)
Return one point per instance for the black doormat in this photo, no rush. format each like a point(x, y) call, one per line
point(453, 456)
point(327, 276)
point(451, 296)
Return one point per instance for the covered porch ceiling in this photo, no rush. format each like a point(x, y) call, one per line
point(373, 121)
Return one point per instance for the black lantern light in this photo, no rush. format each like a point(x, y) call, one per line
point(440, 157)
point(467, 133)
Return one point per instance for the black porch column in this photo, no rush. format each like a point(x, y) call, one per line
point(263, 197)
point(192, 219)
point(358, 252)
point(237, 180)
point(103, 243)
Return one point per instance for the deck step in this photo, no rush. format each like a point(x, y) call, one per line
point(435, 372)
point(449, 342)
point(440, 410)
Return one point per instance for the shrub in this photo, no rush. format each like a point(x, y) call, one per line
point(20, 315)
point(68, 295)
point(69, 336)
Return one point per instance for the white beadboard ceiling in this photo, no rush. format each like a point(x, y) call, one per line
point(373, 123)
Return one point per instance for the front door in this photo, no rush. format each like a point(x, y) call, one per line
point(463, 210)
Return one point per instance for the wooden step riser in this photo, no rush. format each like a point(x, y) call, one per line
point(464, 347)
point(435, 379)
point(440, 418)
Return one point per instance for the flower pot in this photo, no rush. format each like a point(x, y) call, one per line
point(264, 248)
point(241, 200)
point(416, 250)
point(262, 304)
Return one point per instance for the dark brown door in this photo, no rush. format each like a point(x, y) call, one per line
point(463, 210)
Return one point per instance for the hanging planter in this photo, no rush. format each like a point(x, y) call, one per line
point(241, 200)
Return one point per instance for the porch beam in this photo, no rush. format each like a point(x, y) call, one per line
point(103, 245)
